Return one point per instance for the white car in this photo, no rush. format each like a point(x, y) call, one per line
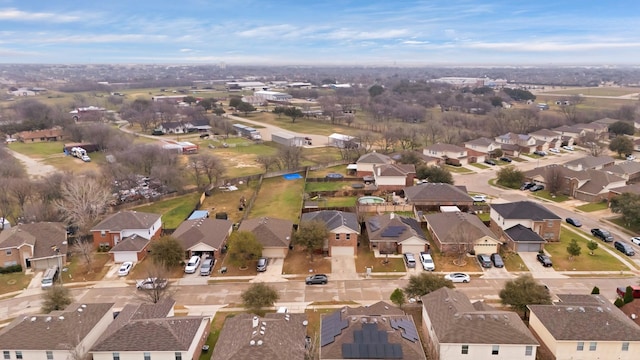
point(631, 157)
point(568, 148)
point(192, 265)
point(458, 277)
point(554, 150)
point(479, 198)
point(151, 284)
point(427, 261)
point(125, 268)
point(636, 240)
point(86, 158)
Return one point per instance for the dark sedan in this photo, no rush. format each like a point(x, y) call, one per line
point(574, 222)
point(544, 260)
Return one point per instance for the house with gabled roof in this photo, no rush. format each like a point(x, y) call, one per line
point(273, 336)
point(520, 238)
point(569, 134)
point(528, 214)
point(631, 188)
point(526, 143)
point(344, 230)
point(116, 227)
point(273, 234)
point(53, 134)
point(205, 236)
point(393, 177)
point(430, 196)
point(455, 328)
point(36, 246)
point(452, 230)
point(365, 163)
point(378, 331)
point(600, 130)
point(451, 154)
point(482, 145)
point(57, 335)
point(590, 162)
point(628, 170)
point(584, 327)
point(392, 233)
point(552, 138)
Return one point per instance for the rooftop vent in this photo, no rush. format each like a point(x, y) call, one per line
point(259, 342)
point(255, 321)
point(34, 319)
point(305, 323)
point(79, 310)
point(252, 342)
point(83, 306)
point(60, 317)
point(48, 319)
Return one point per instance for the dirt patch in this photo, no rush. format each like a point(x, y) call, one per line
point(298, 262)
point(229, 201)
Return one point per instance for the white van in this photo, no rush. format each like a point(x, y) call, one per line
point(49, 277)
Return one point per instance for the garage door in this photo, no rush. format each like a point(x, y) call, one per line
point(413, 249)
point(273, 253)
point(342, 250)
point(528, 247)
point(122, 256)
point(485, 248)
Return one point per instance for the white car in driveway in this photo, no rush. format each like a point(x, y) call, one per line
point(554, 150)
point(427, 261)
point(636, 240)
point(479, 198)
point(458, 277)
point(192, 265)
point(568, 148)
point(125, 268)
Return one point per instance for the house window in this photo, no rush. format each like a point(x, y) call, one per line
point(116, 356)
point(593, 345)
point(495, 349)
point(550, 223)
point(49, 355)
point(465, 349)
point(337, 236)
point(7, 355)
point(147, 356)
point(528, 350)
point(18, 355)
point(625, 346)
point(348, 236)
point(580, 346)
point(8, 252)
point(178, 356)
point(103, 233)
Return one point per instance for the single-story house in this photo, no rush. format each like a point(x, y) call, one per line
point(54, 134)
point(628, 170)
point(456, 231)
point(273, 234)
point(365, 163)
point(590, 163)
point(482, 145)
point(344, 230)
point(205, 236)
point(36, 246)
point(392, 233)
point(430, 196)
point(343, 141)
point(131, 248)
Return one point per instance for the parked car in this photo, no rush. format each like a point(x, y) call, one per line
point(427, 261)
point(506, 159)
point(207, 266)
point(624, 248)
point(334, 176)
point(635, 290)
point(631, 157)
point(458, 277)
point(316, 279)
point(479, 198)
point(125, 268)
point(574, 222)
point(527, 185)
point(604, 235)
point(410, 260)
point(544, 260)
point(489, 162)
point(554, 150)
point(568, 148)
point(484, 260)
point(540, 153)
point(192, 265)
point(151, 283)
point(262, 265)
point(636, 240)
point(496, 259)
point(536, 187)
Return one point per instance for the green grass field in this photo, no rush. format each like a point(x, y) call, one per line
point(590, 207)
point(174, 211)
point(279, 198)
point(38, 149)
point(599, 261)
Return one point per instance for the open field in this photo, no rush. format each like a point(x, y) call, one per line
point(174, 210)
point(279, 198)
point(594, 91)
point(599, 261)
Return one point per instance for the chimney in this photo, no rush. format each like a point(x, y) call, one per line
point(378, 171)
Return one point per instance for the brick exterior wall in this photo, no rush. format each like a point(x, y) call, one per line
point(548, 230)
point(7, 260)
point(341, 240)
point(109, 237)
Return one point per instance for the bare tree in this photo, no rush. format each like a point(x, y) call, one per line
point(212, 167)
point(267, 161)
point(554, 179)
point(84, 249)
point(197, 170)
point(289, 157)
point(7, 203)
point(83, 201)
point(591, 142)
point(464, 244)
point(159, 289)
point(22, 190)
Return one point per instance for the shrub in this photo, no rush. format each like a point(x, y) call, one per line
point(11, 269)
point(619, 302)
point(595, 291)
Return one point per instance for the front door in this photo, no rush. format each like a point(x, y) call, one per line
point(27, 263)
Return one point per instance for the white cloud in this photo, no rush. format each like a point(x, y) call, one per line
point(13, 14)
point(349, 34)
point(551, 46)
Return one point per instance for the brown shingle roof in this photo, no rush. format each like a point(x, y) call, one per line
point(45, 237)
point(125, 220)
point(131, 243)
point(54, 331)
point(212, 232)
point(456, 320)
point(394, 169)
point(159, 310)
point(270, 232)
point(374, 158)
point(446, 148)
point(380, 228)
point(282, 339)
point(437, 192)
point(449, 226)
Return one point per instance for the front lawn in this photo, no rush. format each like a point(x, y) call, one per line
point(513, 262)
point(599, 261)
point(328, 186)
point(458, 169)
point(77, 271)
point(279, 198)
point(38, 149)
point(596, 206)
point(342, 201)
point(174, 211)
point(299, 262)
point(14, 282)
point(479, 166)
point(544, 194)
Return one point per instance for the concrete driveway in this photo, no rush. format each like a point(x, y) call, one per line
point(536, 269)
point(273, 272)
point(343, 268)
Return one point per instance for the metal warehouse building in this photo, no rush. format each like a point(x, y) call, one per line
point(287, 139)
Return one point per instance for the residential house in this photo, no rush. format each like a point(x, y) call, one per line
point(633, 188)
point(430, 196)
point(183, 127)
point(632, 310)
point(57, 335)
point(570, 135)
point(54, 134)
point(343, 141)
point(36, 246)
point(131, 248)
point(628, 170)
point(607, 121)
point(393, 177)
point(273, 336)
point(598, 129)
point(550, 137)
point(520, 238)
point(584, 327)
point(378, 331)
point(365, 163)
point(526, 143)
point(453, 232)
point(116, 227)
point(451, 154)
point(636, 144)
point(482, 145)
point(150, 331)
point(273, 234)
point(586, 185)
point(205, 236)
point(590, 162)
point(392, 233)
point(528, 214)
point(457, 329)
point(344, 230)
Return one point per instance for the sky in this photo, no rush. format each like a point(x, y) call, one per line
point(349, 33)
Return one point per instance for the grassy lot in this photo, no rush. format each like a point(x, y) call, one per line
point(327, 186)
point(479, 166)
point(233, 270)
point(38, 149)
point(145, 268)
point(618, 221)
point(299, 262)
point(590, 207)
point(366, 259)
point(513, 262)
point(279, 198)
point(600, 261)
point(598, 91)
point(324, 155)
point(302, 125)
point(228, 201)
point(14, 282)
point(544, 194)
point(342, 201)
point(458, 169)
point(78, 271)
point(174, 211)
point(320, 173)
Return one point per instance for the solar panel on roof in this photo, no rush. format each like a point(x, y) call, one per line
point(373, 224)
point(393, 231)
point(332, 326)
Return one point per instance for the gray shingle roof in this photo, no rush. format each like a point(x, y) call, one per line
point(44, 236)
point(437, 192)
point(334, 219)
point(53, 331)
point(447, 226)
point(131, 243)
point(585, 321)
point(282, 338)
point(590, 162)
point(483, 141)
point(212, 232)
point(374, 158)
point(524, 210)
point(394, 169)
point(378, 226)
point(270, 232)
point(624, 168)
point(127, 220)
point(445, 147)
point(456, 320)
point(520, 233)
